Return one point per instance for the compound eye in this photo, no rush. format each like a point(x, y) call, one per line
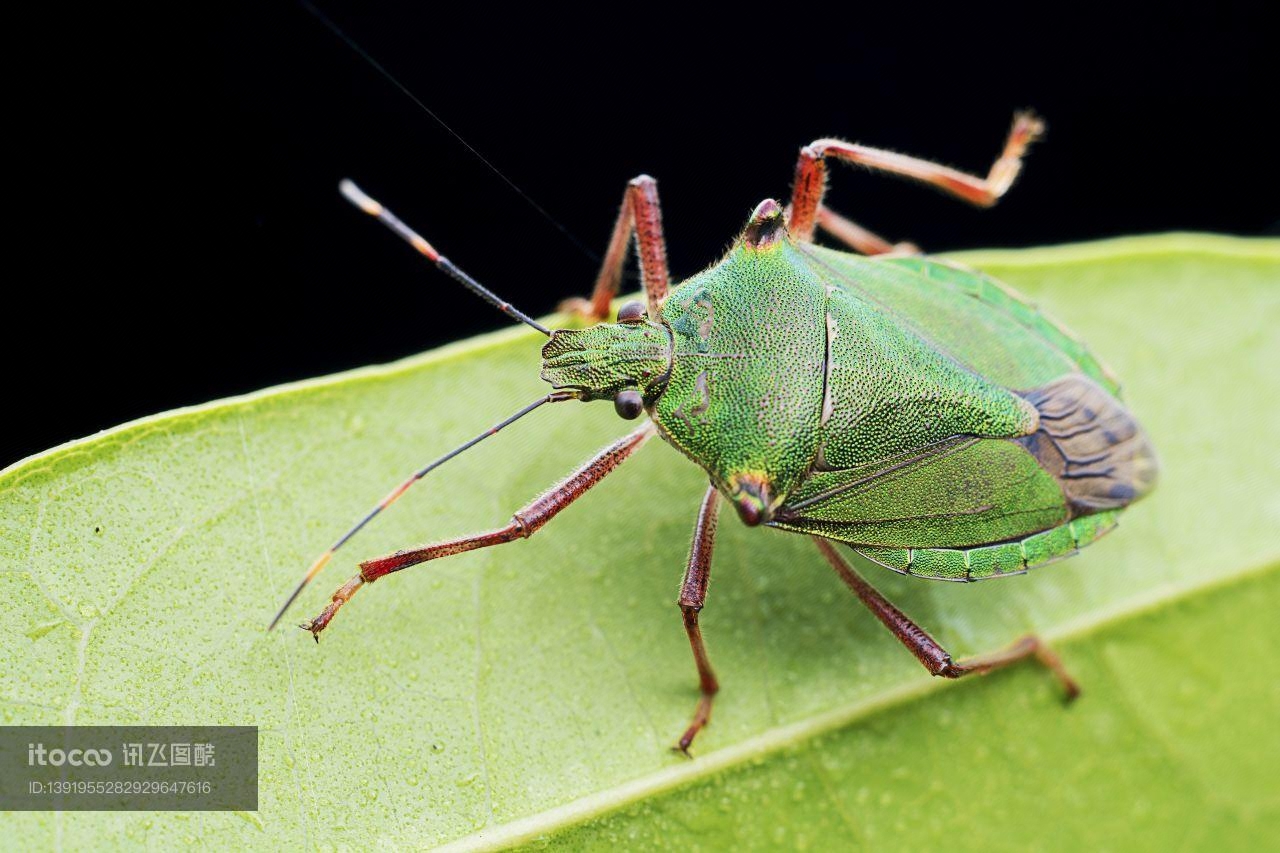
point(628, 404)
point(631, 312)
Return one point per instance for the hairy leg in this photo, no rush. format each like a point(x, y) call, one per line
point(641, 216)
point(693, 595)
point(811, 172)
point(523, 524)
point(935, 658)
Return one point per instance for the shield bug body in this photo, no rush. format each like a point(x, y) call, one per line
point(917, 412)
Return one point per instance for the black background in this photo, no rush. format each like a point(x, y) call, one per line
point(176, 234)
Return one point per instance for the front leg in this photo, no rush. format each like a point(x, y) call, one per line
point(693, 594)
point(524, 523)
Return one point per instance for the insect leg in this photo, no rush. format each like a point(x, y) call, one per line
point(693, 594)
point(935, 658)
point(858, 238)
point(811, 172)
point(523, 524)
point(640, 215)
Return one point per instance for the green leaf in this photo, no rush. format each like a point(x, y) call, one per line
point(533, 690)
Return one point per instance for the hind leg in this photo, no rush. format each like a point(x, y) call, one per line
point(935, 658)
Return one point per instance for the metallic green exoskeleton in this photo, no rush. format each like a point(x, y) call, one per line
point(918, 411)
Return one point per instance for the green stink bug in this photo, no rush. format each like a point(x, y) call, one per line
point(920, 413)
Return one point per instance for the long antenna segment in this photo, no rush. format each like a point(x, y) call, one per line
point(374, 208)
point(330, 25)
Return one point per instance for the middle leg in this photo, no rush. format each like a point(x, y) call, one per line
point(859, 239)
point(806, 210)
point(693, 595)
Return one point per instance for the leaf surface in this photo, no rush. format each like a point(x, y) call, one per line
point(531, 691)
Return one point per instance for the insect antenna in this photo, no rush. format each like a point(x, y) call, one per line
point(360, 199)
point(330, 25)
point(394, 494)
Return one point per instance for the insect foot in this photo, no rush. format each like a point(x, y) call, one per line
point(1027, 128)
point(341, 597)
point(701, 721)
point(701, 716)
point(1025, 647)
point(683, 748)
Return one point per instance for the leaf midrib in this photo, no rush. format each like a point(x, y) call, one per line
point(780, 738)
